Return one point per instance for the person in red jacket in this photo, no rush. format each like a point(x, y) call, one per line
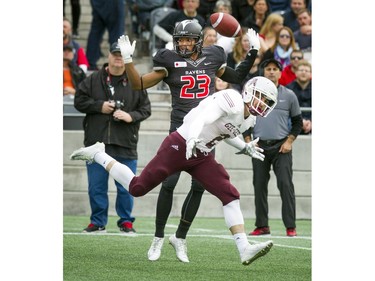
point(289, 72)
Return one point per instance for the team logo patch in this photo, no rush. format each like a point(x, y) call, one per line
point(180, 64)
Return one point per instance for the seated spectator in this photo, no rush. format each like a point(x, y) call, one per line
point(267, 34)
point(224, 6)
point(303, 34)
point(290, 16)
point(302, 87)
point(289, 72)
point(73, 75)
point(257, 18)
point(241, 9)
point(164, 29)
point(279, 5)
point(79, 54)
point(282, 48)
point(209, 36)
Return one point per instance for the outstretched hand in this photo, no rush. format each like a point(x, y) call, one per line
point(253, 150)
point(191, 148)
point(126, 48)
point(253, 39)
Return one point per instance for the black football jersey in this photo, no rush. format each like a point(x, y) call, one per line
point(189, 81)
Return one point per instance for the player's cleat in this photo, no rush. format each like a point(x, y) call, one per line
point(179, 245)
point(88, 153)
point(260, 231)
point(127, 228)
point(255, 251)
point(92, 228)
point(155, 250)
point(291, 232)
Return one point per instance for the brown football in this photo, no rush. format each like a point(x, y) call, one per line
point(225, 24)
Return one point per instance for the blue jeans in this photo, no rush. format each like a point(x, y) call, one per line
point(98, 194)
point(106, 15)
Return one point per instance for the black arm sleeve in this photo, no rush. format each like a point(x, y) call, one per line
point(239, 74)
point(296, 125)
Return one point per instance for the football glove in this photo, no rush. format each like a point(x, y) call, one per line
point(191, 147)
point(253, 39)
point(126, 48)
point(252, 150)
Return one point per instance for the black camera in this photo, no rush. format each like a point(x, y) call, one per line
point(118, 105)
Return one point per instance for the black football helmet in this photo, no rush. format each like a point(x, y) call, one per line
point(188, 28)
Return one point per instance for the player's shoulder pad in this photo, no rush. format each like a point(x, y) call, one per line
point(230, 101)
point(162, 55)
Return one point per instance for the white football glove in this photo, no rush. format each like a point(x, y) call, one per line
point(126, 48)
point(252, 150)
point(253, 39)
point(191, 147)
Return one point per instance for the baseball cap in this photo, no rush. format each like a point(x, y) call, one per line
point(268, 61)
point(115, 48)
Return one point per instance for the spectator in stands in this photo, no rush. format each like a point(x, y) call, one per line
point(289, 72)
point(269, 30)
point(276, 137)
point(283, 47)
point(290, 16)
point(164, 29)
point(113, 115)
point(76, 14)
point(304, 33)
point(73, 75)
point(224, 6)
point(258, 16)
point(279, 6)
point(302, 87)
point(79, 53)
point(209, 36)
point(206, 8)
point(241, 9)
point(106, 15)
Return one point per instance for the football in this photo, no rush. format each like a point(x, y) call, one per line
point(225, 24)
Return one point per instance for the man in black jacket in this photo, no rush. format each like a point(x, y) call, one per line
point(113, 115)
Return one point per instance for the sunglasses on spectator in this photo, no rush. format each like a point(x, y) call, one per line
point(284, 36)
point(296, 58)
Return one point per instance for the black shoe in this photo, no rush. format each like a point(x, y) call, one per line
point(127, 228)
point(94, 228)
point(75, 34)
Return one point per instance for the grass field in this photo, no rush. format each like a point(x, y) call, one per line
point(211, 250)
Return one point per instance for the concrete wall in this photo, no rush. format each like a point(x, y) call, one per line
point(239, 168)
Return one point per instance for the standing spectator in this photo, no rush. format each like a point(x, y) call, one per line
point(302, 87)
point(220, 117)
point(113, 116)
point(290, 16)
point(289, 72)
point(283, 47)
point(106, 15)
point(76, 14)
point(258, 16)
point(164, 29)
point(241, 9)
point(73, 75)
point(276, 139)
point(189, 70)
point(79, 53)
point(269, 30)
point(304, 33)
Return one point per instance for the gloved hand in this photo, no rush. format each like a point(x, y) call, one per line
point(252, 150)
point(253, 39)
point(191, 148)
point(126, 48)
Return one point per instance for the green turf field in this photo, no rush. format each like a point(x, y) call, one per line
point(211, 250)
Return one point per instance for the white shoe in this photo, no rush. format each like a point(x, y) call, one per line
point(255, 251)
point(155, 250)
point(179, 245)
point(87, 153)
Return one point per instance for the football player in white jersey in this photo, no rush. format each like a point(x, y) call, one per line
point(222, 116)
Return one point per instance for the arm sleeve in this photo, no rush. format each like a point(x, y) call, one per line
point(239, 74)
point(162, 33)
point(296, 125)
point(236, 142)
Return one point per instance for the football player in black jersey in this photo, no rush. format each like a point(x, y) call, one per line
point(189, 70)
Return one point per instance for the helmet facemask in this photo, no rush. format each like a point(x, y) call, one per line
point(197, 47)
point(260, 104)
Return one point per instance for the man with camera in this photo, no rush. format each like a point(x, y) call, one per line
point(113, 115)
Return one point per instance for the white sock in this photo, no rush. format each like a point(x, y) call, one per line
point(103, 159)
point(233, 214)
point(241, 241)
point(122, 174)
